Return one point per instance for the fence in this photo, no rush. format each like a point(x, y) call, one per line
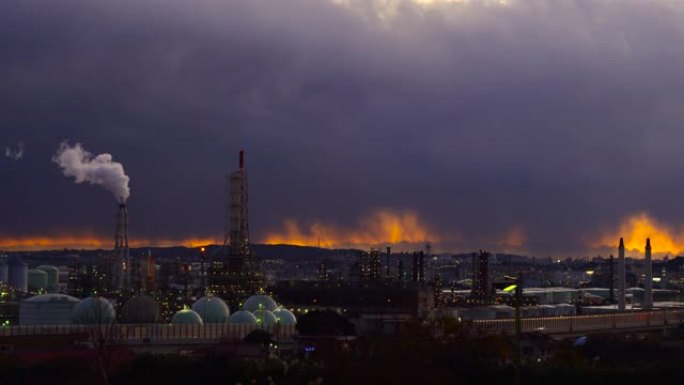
point(155, 333)
point(597, 322)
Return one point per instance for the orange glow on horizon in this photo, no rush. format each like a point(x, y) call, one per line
point(34, 243)
point(638, 227)
point(516, 237)
point(381, 227)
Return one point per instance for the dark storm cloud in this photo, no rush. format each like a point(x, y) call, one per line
point(559, 118)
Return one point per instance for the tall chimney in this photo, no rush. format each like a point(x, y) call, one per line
point(400, 270)
point(621, 276)
point(414, 267)
point(648, 283)
point(421, 266)
point(388, 269)
point(611, 272)
point(121, 264)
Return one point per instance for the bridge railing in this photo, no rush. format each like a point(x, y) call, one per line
point(154, 333)
point(594, 322)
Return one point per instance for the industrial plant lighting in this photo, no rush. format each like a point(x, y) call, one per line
point(510, 288)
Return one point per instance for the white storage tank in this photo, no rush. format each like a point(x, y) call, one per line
point(212, 309)
point(37, 281)
point(94, 311)
point(52, 277)
point(47, 309)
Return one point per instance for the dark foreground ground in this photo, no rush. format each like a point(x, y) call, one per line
point(412, 358)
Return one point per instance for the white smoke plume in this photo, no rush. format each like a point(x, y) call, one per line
point(15, 153)
point(100, 170)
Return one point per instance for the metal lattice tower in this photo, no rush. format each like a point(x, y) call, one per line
point(238, 221)
point(239, 271)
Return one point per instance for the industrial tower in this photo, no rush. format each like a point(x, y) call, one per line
point(239, 272)
point(236, 232)
point(121, 261)
point(621, 276)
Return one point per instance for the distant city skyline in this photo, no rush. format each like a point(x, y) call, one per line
point(538, 127)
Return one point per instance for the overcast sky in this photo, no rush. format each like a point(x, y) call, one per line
point(543, 120)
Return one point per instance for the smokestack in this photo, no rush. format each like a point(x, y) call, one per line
point(242, 159)
point(414, 267)
point(203, 276)
point(421, 267)
point(400, 270)
point(621, 276)
point(648, 283)
point(611, 271)
point(121, 264)
point(388, 270)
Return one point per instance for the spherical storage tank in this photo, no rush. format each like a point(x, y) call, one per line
point(18, 274)
point(47, 309)
point(265, 317)
point(259, 302)
point(186, 317)
point(211, 309)
point(94, 311)
point(284, 316)
point(37, 280)
point(242, 317)
point(52, 277)
point(140, 309)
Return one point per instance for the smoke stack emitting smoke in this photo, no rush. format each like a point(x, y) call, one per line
point(100, 170)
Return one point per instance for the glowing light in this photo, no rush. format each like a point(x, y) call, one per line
point(638, 227)
point(379, 228)
point(510, 288)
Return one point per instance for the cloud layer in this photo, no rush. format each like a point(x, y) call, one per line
point(552, 119)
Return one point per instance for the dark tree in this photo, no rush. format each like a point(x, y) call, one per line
point(324, 323)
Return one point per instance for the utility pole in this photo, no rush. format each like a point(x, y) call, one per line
point(518, 327)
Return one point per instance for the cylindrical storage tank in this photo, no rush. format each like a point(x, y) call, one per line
point(37, 281)
point(53, 277)
point(47, 309)
point(18, 274)
point(4, 272)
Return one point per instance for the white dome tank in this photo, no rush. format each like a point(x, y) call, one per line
point(212, 309)
point(94, 311)
point(285, 316)
point(242, 317)
point(186, 317)
point(265, 317)
point(47, 309)
point(259, 302)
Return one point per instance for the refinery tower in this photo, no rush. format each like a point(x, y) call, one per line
point(237, 272)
